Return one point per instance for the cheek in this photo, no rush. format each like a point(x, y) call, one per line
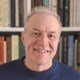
point(54, 45)
point(29, 43)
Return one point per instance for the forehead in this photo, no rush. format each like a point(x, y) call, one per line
point(43, 22)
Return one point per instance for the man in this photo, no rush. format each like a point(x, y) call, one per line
point(40, 37)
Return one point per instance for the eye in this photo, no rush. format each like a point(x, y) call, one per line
point(35, 34)
point(51, 36)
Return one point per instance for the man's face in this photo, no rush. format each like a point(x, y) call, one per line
point(41, 38)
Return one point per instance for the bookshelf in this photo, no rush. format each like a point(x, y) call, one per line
point(9, 29)
point(70, 18)
point(64, 29)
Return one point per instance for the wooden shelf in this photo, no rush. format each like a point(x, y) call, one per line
point(9, 29)
point(64, 29)
point(71, 29)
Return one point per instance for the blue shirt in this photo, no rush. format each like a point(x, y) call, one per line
point(16, 70)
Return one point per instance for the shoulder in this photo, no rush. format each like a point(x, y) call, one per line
point(10, 71)
point(8, 66)
point(67, 71)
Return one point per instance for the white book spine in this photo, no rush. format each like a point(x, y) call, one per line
point(75, 13)
point(17, 13)
point(50, 1)
point(4, 51)
point(0, 13)
point(27, 8)
point(7, 13)
point(15, 47)
point(54, 5)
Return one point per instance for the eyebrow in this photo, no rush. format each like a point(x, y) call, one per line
point(47, 32)
point(36, 29)
point(52, 32)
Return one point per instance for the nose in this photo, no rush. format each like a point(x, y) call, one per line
point(43, 40)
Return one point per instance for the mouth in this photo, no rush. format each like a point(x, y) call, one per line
point(41, 50)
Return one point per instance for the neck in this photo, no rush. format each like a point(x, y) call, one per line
point(37, 67)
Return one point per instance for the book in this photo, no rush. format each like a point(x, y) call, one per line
point(60, 10)
point(1, 49)
point(71, 13)
point(27, 8)
point(3, 12)
point(21, 48)
point(15, 47)
point(38, 2)
point(66, 13)
point(65, 49)
point(54, 5)
point(21, 13)
point(75, 54)
point(70, 50)
point(60, 49)
point(7, 14)
point(5, 52)
point(78, 52)
point(16, 13)
point(46, 3)
point(0, 13)
point(12, 11)
point(9, 48)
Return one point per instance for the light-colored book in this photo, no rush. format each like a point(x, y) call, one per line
point(15, 47)
point(70, 50)
point(46, 3)
point(27, 9)
point(17, 13)
point(3, 13)
point(5, 52)
point(0, 13)
point(54, 5)
point(71, 13)
point(7, 13)
point(75, 54)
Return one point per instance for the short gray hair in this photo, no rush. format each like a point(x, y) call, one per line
point(43, 9)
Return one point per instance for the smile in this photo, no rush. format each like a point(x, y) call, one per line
point(41, 50)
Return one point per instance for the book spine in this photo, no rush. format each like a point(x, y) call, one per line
point(17, 13)
point(60, 49)
point(15, 47)
point(66, 13)
point(21, 48)
point(5, 52)
point(7, 13)
point(1, 49)
point(46, 3)
point(8, 46)
point(75, 13)
point(54, 6)
point(65, 49)
point(21, 13)
point(3, 13)
point(71, 13)
point(78, 52)
point(27, 9)
point(12, 2)
point(38, 2)
point(0, 13)
point(50, 1)
point(32, 4)
point(60, 10)
point(75, 54)
point(70, 50)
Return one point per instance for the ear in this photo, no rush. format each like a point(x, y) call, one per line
point(22, 37)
